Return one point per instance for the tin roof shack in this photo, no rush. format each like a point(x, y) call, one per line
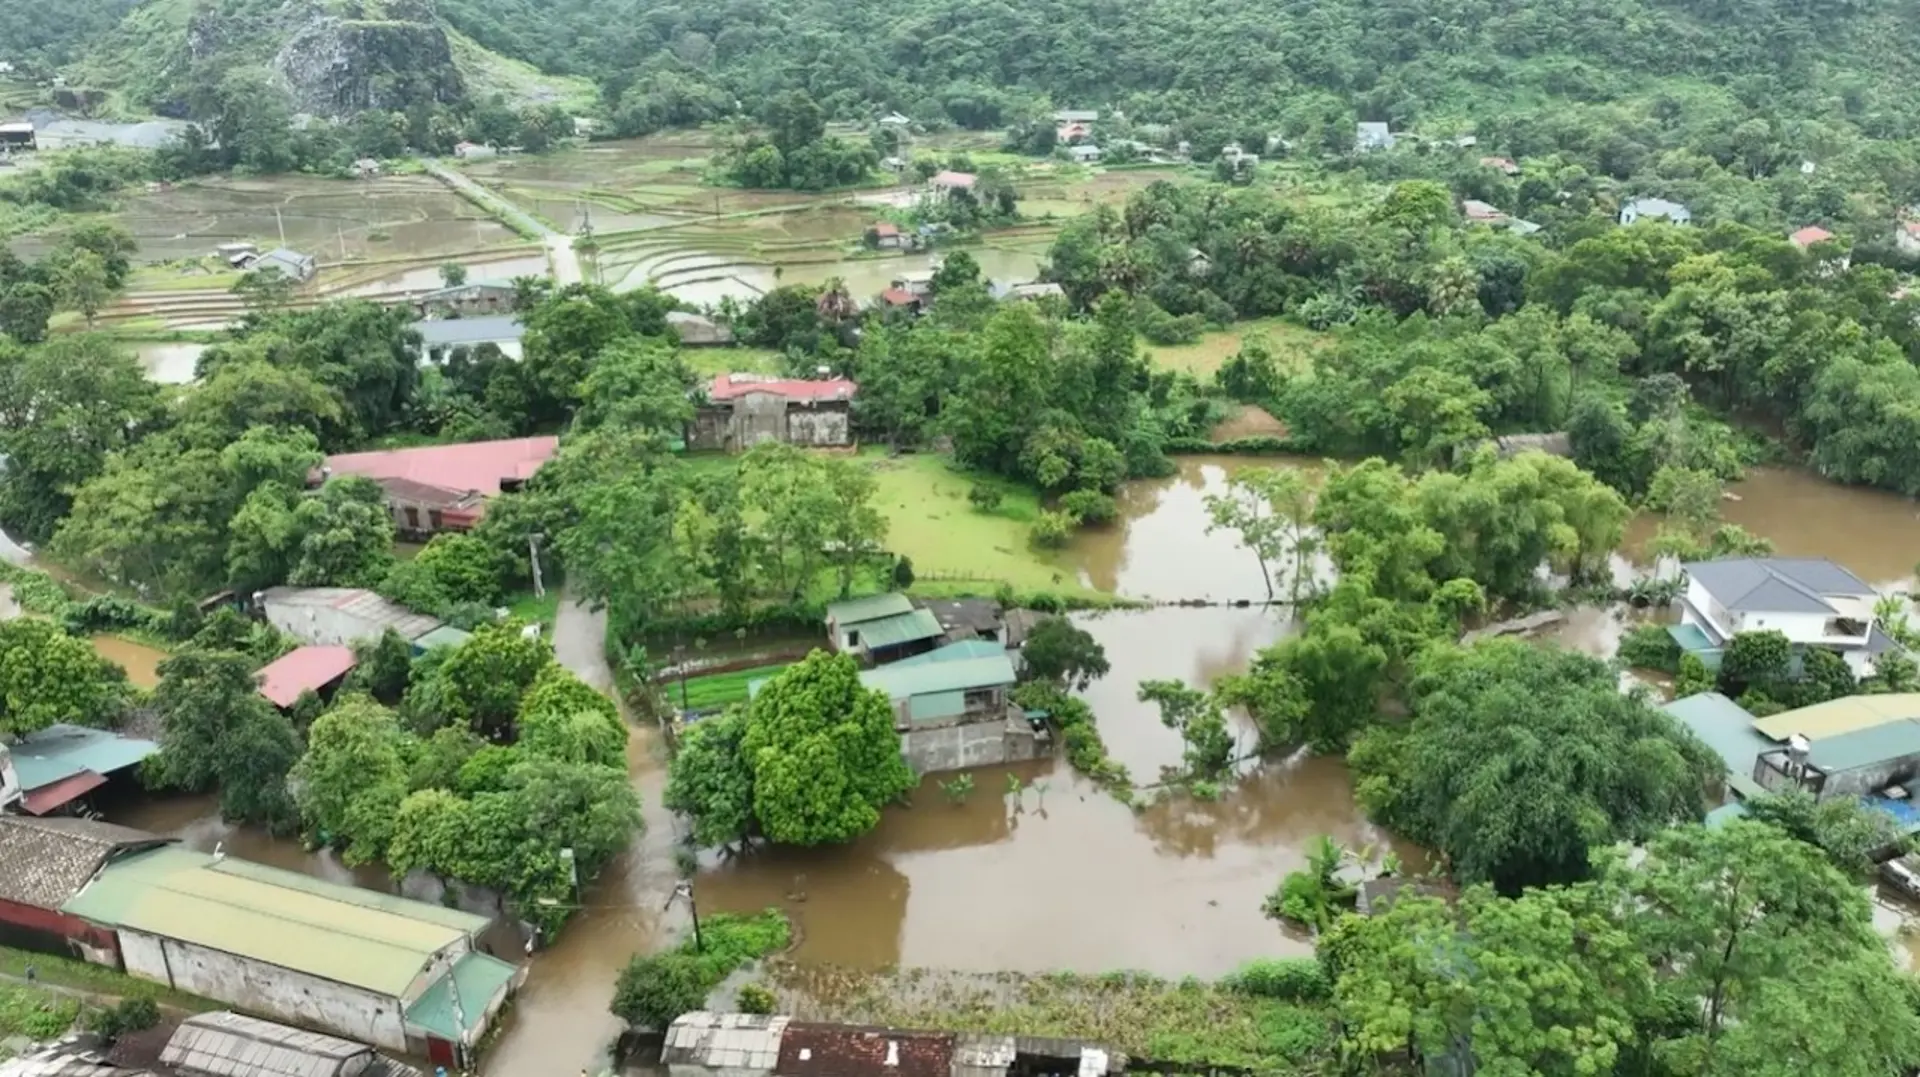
point(702, 1044)
point(698, 330)
point(43, 864)
point(965, 618)
point(953, 708)
point(439, 488)
point(441, 337)
point(881, 628)
point(62, 763)
point(743, 410)
point(1727, 728)
point(471, 301)
point(304, 669)
point(381, 969)
point(291, 264)
point(1860, 763)
point(810, 1049)
point(231, 1045)
point(339, 616)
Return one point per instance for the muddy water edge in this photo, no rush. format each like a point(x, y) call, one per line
point(1002, 880)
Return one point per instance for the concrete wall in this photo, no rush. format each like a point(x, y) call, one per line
point(1861, 781)
point(267, 990)
point(971, 744)
point(821, 426)
point(1798, 627)
point(758, 417)
point(50, 931)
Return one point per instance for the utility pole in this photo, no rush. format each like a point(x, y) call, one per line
point(684, 889)
point(533, 555)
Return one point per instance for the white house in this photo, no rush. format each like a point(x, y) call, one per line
point(1811, 600)
point(1370, 136)
point(439, 337)
point(1655, 209)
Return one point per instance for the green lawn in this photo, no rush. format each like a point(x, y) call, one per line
point(35, 1013)
point(1292, 345)
point(710, 361)
point(95, 979)
point(930, 522)
point(717, 690)
point(536, 609)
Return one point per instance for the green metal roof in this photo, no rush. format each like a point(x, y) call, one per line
point(61, 751)
point(854, 611)
point(1725, 814)
point(1867, 747)
point(341, 933)
point(1693, 640)
point(954, 652)
point(936, 706)
point(1726, 727)
point(901, 681)
point(476, 978)
point(893, 631)
point(444, 636)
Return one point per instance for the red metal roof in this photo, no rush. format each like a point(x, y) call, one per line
point(732, 386)
point(808, 1049)
point(953, 179)
point(479, 466)
point(886, 229)
point(1808, 236)
point(898, 297)
point(48, 797)
point(303, 669)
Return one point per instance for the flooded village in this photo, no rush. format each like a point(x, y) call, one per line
point(994, 882)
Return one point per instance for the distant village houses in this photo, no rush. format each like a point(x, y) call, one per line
point(1369, 137)
point(1655, 209)
point(441, 337)
point(291, 264)
point(473, 299)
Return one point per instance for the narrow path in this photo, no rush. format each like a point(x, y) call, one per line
point(560, 1023)
point(560, 256)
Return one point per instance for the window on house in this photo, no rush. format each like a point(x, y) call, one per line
point(435, 520)
point(980, 699)
point(413, 519)
point(1845, 626)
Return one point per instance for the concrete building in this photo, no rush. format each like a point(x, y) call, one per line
point(1865, 746)
point(53, 767)
point(441, 337)
point(1727, 728)
point(439, 488)
point(291, 264)
point(1655, 209)
point(475, 299)
point(698, 330)
point(881, 628)
point(316, 669)
point(18, 136)
point(399, 974)
point(1811, 600)
point(228, 1044)
point(43, 864)
point(1864, 762)
point(743, 410)
point(953, 708)
point(340, 616)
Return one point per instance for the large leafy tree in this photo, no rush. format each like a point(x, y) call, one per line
point(1060, 651)
point(217, 732)
point(64, 406)
point(47, 676)
point(1520, 758)
point(711, 781)
point(353, 777)
point(823, 751)
point(562, 717)
point(482, 682)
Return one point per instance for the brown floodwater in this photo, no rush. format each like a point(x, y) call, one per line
point(1062, 876)
point(141, 662)
point(169, 363)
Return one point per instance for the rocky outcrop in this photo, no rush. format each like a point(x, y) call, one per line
point(337, 66)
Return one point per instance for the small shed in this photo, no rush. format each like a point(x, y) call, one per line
point(881, 627)
point(340, 615)
point(227, 1044)
point(17, 136)
point(62, 763)
point(289, 263)
point(698, 330)
point(1370, 136)
point(313, 668)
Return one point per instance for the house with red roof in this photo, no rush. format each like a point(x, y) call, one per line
point(316, 669)
point(1806, 239)
point(439, 488)
point(945, 183)
point(886, 236)
point(743, 410)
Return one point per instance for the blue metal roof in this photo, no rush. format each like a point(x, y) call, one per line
point(953, 652)
point(61, 751)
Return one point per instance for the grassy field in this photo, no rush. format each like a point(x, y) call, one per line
point(537, 609)
point(930, 522)
point(718, 690)
point(34, 1013)
point(96, 980)
point(1292, 345)
point(711, 361)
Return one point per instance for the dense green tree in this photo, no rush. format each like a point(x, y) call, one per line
point(47, 676)
point(64, 406)
point(482, 682)
point(1060, 651)
point(562, 717)
point(353, 777)
point(711, 780)
point(217, 732)
point(823, 752)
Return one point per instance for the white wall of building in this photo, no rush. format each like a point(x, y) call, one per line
point(1798, 627)
point(266, 990)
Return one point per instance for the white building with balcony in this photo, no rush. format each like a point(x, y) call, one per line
point(1810, 600)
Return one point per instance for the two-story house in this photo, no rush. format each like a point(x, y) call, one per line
point(1811, 600)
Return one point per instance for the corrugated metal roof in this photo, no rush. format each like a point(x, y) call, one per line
point(303, 669)
point(1867, 747)
point(477, 978)
point(821, 1050)
point(444, 636)
point(1725, 726)
point(1837, 716)
point(450, 332)
point(44, 862)
point(358, 937)
point(231, 1045)
point(893, 631)
point(953, 652)
point(356, 602)
point(61, 751)
point(936, 706)
point(853, 611)
point(739, 1042)
point(904, 682)
point(478, 466)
